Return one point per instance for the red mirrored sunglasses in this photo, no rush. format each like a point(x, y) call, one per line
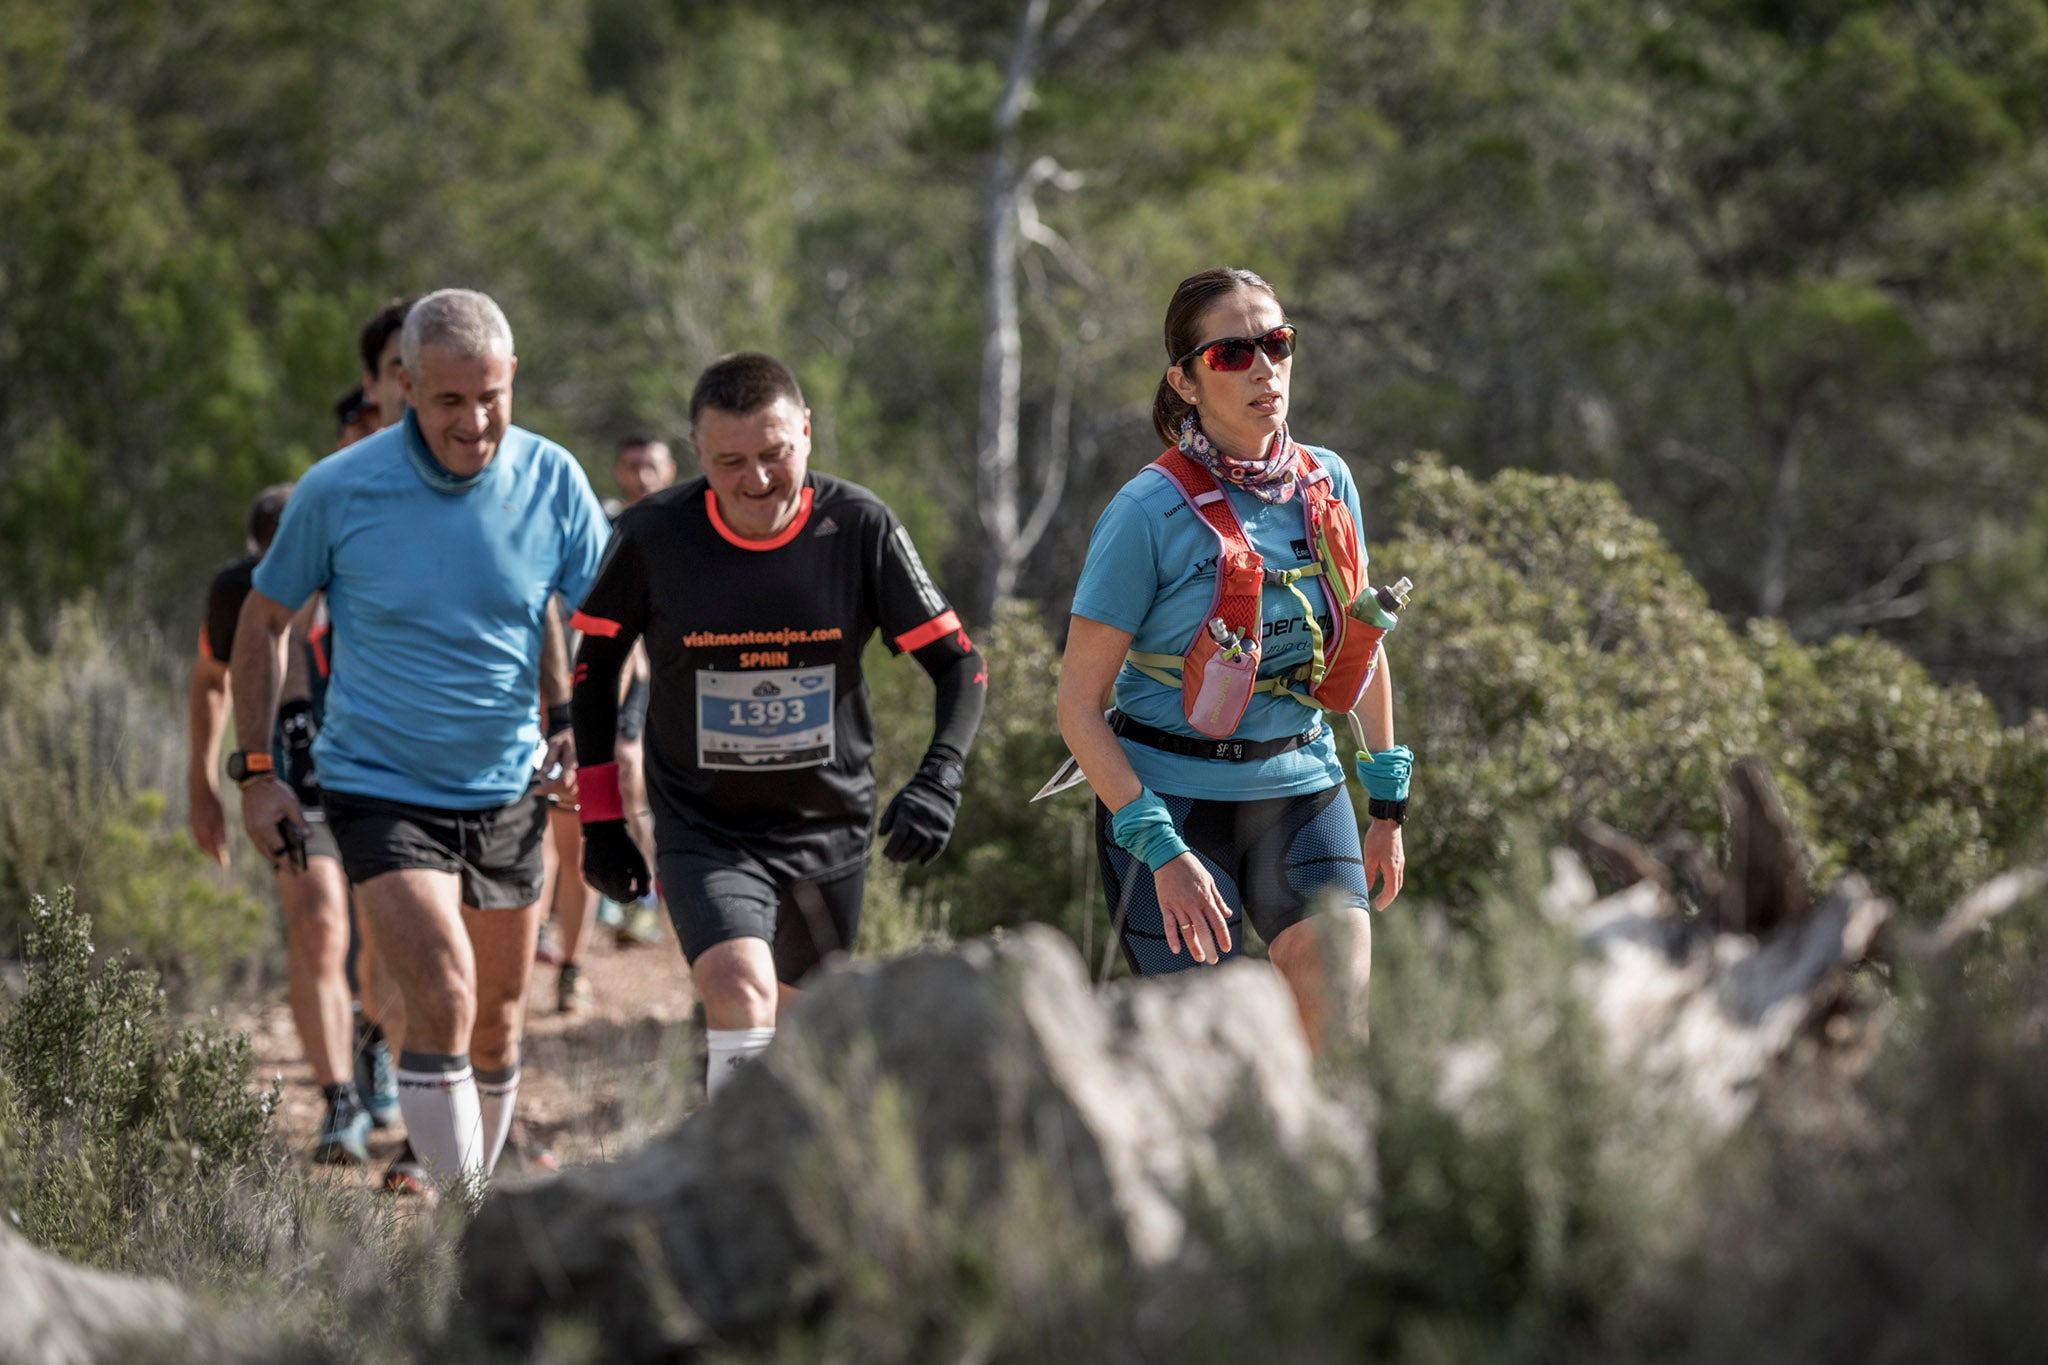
point(1235, 353)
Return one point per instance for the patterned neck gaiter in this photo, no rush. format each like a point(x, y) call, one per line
point(1269, 480)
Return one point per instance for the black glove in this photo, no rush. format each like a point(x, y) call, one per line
point(920, 819)
point(612, 861)
point(297, 728)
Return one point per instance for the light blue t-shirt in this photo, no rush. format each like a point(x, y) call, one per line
point(1151, 570)
point(437, 603)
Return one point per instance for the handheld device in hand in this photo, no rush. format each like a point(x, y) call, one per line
point(294, 848)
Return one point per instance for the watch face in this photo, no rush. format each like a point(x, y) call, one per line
point(951, 776)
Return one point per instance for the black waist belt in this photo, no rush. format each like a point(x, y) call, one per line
point(1218, 750)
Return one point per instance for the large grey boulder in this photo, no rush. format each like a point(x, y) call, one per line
point(55, 1313)
point(922, 1088)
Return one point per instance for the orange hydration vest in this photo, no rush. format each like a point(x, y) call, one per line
point(1218, 672)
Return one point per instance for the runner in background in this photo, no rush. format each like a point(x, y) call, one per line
point(756, 588)
point(564, 897)
point(438, 542)
point(380, 1014)
point(355, 417)
point(383, 367)
point(642, 465)
point(314, 896)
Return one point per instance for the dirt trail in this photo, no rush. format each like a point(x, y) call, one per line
point(591, 1082)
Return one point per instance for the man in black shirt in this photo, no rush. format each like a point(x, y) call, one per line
point(756, 587)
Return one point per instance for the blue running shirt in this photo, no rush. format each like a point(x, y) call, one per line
point(437, 602)
point(1151, 570)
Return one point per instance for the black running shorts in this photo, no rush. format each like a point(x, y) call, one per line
point(714, 897)
point(496, 852)
point(1271, 858)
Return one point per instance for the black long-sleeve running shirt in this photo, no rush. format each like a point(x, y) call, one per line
point(758, 729)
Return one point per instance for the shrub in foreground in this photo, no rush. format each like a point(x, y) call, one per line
point(108, 1115)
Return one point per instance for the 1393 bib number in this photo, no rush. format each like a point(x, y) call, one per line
point(765, 714)
point(764, 720)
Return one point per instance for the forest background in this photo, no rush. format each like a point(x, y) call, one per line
point(1693, 359)
point(1780, 272)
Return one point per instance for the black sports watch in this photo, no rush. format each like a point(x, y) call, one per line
point(947, 772)
point(1380, 809)
point(246, 765)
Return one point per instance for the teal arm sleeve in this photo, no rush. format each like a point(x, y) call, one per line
point(1384, 775)
point(1145, 830)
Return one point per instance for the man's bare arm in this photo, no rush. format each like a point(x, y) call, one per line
point(262, 634)
point(298, 678)
point(206, 714)
point(554, 657)
point(262, 637)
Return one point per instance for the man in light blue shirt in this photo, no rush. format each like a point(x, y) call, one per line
point(438, 541)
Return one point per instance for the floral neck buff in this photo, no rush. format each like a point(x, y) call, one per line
point(1268, 480)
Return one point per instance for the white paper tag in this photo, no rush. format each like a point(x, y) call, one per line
point(764, 719)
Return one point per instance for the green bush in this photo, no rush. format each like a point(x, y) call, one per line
point(1556, 661)
point(91, 743)
point(108, 1115)
point(1915, 786)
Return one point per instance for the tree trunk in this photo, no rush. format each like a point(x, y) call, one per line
point(997, 482)
point(1779, 515)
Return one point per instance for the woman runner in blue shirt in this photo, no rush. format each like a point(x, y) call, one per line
point(1200, 830)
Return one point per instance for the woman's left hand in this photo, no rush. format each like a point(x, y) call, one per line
point(1384, 861)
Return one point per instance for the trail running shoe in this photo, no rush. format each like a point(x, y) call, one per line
point(572, 990)
point(344, 1136)
point(547, 948)
point(377, 1082)
point(405, 1175)
point(527, 1152)
point(641, 927)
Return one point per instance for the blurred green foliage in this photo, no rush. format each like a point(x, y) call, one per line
point(1778, 274)
point(92, 738)
point(1555, 662)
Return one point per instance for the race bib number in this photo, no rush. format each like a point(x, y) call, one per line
point(765, 719)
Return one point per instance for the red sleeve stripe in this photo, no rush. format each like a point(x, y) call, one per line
point(205, 645)
point(594, 625)
point(935, 629)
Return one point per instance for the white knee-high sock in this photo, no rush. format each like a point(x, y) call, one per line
point(497, 1091)
point(732, 1048)
point(437, 1095)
